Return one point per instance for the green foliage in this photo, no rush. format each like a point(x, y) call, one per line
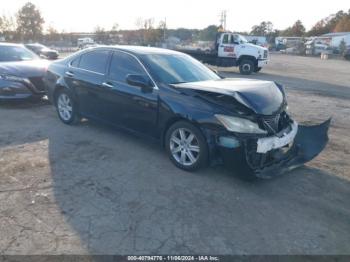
point(297, 29)
point(29, 22)
point(339, 22)
point(264, 29)
point(208, 33)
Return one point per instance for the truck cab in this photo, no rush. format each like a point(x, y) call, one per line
point(234, 50)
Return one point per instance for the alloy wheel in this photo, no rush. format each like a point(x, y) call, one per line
point(65, 108)
point(184, 146)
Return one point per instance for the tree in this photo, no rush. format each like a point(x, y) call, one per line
point(149, 35)
point(264, 29)
point(29, 22)
point(343, 25)
point(101, 36)
point(183, 34)
point(7, 24)
point(333, 23)
point(52, 34)
point(209, 33)
point(297, 29)
point(115, 28)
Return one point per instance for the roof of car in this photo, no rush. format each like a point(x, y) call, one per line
point(139, 50)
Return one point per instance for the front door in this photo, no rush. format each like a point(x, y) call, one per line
point(227, 46)
point(128, 105)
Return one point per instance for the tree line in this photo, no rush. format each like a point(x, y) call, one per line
point(28, 25)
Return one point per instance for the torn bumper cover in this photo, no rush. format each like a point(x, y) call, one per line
point(273, 156)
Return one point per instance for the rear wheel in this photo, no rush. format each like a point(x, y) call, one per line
point(246, 67)
point(186, 146)
point(66, 107)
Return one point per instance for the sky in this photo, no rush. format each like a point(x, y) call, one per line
point(85, 15)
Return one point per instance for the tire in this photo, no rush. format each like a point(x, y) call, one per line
point(246, 67)
point(187, 155)
point(66, 107)
point(257, 69)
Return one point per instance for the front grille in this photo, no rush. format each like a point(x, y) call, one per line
point(271, 123)
point(274, 124)
point(265, 54)
point(38, 83)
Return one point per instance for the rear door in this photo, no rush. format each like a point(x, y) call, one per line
point(86, 76)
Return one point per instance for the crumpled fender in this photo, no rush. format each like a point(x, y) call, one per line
point(308, 143)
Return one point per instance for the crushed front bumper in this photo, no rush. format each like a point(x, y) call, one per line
point(252, 160)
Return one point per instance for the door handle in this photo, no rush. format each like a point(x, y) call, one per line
point(69, 74)
point(107, 85)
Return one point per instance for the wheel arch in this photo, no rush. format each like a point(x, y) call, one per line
point(174, 120)
point(59, 87)
point(247, 57)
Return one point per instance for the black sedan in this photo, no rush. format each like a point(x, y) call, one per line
point(199, 117)
point(21, 73)
point(43, 51)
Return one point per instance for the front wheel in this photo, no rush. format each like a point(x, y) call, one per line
point(246, 67)
point(66, 107)
point(186, 146)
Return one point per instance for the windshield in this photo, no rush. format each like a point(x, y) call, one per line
point(242, 39)
point(16, 53)
point(176, 68)
point(36, 47)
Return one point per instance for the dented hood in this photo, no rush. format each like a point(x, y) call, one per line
point(32, 68)
point(263, 97)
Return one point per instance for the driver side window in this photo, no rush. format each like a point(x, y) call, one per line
point(123, 64)
point(225, 39)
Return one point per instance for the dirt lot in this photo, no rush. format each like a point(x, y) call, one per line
point(93, 189)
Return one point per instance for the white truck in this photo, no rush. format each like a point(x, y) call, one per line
point(82, 42)
point(232, 49)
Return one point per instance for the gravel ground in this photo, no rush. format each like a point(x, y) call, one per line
point(91, 189)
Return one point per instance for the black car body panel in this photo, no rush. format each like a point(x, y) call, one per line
point(22, 79)
point(153, 111)
point(263, 97)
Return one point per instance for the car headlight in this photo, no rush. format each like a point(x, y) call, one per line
point(240, 125)
point(13, 78)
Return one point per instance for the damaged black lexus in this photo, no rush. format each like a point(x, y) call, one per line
point(199, 117)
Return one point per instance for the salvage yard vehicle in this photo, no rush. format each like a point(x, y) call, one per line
point(232, 50)
point(198, 116)
point(43, 51)
point(21, 73)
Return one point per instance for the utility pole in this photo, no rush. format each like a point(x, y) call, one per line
point(164, 30)
point(223, 16)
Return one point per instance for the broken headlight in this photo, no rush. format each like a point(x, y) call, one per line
point(240, 125)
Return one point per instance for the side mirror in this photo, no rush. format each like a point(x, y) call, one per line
point(140, 81)
point(236, 43)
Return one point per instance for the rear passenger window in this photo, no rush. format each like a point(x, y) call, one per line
point(122, 65)
point(95, 61)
